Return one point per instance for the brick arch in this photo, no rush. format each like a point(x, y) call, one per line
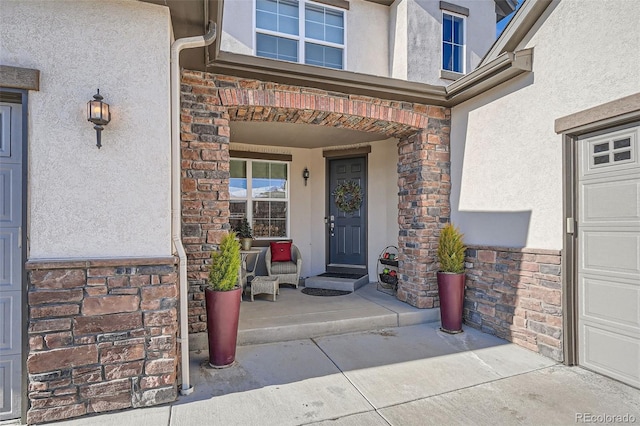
point(252, 100)
point(211, 101)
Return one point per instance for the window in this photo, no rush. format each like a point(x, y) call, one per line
point(259, 190)
point(300, 31)
point(453, 53)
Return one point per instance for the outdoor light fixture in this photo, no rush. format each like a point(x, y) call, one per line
point(305, 175)
point(98, 113)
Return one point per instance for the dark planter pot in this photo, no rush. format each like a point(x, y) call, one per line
point(451, 292)
point(223, 312)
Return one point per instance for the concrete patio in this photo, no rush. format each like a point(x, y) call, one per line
point(295, 315)
point(409, 375)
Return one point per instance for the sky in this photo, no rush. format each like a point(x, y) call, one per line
point(503, 22)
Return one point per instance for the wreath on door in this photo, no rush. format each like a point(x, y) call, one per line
point(348, 196)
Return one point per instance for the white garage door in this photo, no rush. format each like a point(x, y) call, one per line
point(609, 255)
point(10, 260)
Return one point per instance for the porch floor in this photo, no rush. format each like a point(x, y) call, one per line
point(295, 315)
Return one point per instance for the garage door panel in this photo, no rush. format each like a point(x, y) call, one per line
point(615, 252)
point(10, 187)
point(611, 201)
point(614, 354)
point(614, 302)
point(612, 152)
point(9, 386)
point(9, 260)
point(608, 254)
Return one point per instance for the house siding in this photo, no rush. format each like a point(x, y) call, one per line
point(102, 336)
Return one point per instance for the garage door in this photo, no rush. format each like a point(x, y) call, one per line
point(609, 255)
point(10, 260)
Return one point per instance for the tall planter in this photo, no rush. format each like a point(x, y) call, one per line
point(451, 292)
point(223, 313)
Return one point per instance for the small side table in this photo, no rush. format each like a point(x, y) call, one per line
point(265, 285)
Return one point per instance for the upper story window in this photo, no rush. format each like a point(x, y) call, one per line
point(453, 41)
point(300, 31)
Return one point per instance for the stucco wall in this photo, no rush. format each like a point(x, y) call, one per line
point(308, 203)
point(423, 22)
point(506, 159)
point(364, 54)
point(398, 39)
point(85, 201)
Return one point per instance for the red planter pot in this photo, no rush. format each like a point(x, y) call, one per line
point(451, 292)
point(223, 313)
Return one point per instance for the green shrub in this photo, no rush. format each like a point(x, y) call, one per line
point(225, 264)
point(244, 229)
point(451, 250)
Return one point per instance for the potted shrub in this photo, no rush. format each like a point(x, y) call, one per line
point(245, 234)
point(451, 252)
point(222, 297)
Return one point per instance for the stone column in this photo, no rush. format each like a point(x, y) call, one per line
point(423, 207)
point(205, 183)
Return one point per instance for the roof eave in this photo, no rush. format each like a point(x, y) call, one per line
point(519, 26)
point(341, 81)
point(505, 67)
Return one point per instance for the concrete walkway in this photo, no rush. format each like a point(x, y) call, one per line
point(412, 375)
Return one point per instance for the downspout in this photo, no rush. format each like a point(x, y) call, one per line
point(176, 213)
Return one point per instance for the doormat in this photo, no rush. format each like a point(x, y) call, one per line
point(324, 292)
point(341, 275)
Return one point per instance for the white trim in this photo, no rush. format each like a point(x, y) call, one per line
point(464, 41)
point(249, 199)
point(301, 38)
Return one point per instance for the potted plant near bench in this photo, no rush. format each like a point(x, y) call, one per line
point(245, 234)
point(451, 277)
point(222, 298)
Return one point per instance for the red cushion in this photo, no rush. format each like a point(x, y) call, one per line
point(281, 251)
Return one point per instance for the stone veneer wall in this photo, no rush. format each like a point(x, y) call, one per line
point(102, 336)
point(516, 294)
point(210, 101)
point(424, 183)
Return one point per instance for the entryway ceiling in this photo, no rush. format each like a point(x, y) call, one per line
point(297, 135)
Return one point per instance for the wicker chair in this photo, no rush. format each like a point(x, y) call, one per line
point(288, 272)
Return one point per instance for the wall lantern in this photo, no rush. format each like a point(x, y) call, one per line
point(98, 113)
point(305, 175)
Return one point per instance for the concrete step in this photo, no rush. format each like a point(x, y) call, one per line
point(336, 283)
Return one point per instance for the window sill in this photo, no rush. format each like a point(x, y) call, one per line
point(450, 75)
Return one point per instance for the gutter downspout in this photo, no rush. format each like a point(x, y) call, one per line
point(176, 200)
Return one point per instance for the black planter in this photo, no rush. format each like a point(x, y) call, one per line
point(451, 292)
point(223, 313)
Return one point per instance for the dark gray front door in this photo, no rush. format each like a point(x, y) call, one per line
point(347, 231)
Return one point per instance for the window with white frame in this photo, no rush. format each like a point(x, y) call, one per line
point(300, 31)
point(453, 46)
point(259, 190)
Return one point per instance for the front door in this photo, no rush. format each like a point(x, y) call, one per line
point(347, 229)
point(10, 260)
point(609, 254)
